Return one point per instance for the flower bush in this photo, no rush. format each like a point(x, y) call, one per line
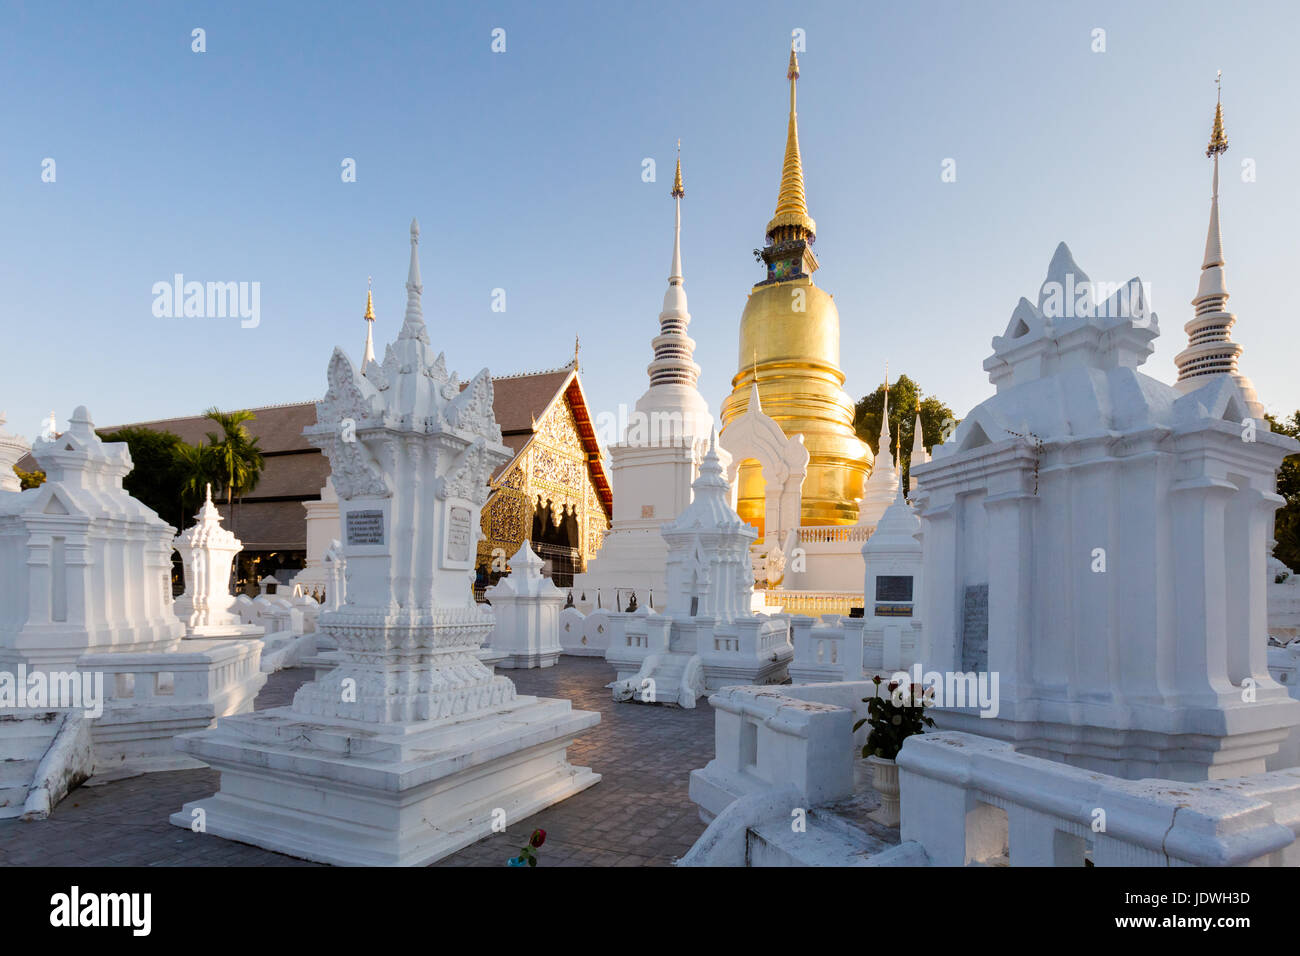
point(895, 718)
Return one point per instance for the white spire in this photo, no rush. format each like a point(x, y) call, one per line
point(368, 354)
point(1210, 350)
point(882, 485)
point(674, 363)
point(413, 324)
point(886, 443)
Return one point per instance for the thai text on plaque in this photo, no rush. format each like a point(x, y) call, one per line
point(365, 527)
point(459, 538)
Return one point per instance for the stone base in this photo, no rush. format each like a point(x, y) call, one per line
point(522, 659)
point(154, 697)
point(224, 631)
point(354, 794)
point(1135, 753)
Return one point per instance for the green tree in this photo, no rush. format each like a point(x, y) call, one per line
point(239, 460)
point(154, 478)
point(195, 467)
point(905, 399)
point(1286, 528)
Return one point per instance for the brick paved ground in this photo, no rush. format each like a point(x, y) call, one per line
point(638, 815)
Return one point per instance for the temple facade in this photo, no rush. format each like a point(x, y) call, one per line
point(554, 492)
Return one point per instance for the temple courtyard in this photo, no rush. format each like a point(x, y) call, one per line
point(638, 815)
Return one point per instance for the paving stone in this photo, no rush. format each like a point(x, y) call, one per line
point(640, 813)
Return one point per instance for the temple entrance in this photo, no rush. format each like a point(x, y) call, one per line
point(555, 537)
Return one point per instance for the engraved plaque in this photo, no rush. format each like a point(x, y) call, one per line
point(365, 527)
point(459, 534)
point(894, 588)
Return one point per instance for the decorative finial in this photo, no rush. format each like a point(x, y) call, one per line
point(208, 492)
point(370, 303)
point(577, 345)
point(1218, 139)
point(678, 190)
point(791, 204)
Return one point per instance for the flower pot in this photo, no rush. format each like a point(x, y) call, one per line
point(884, 780)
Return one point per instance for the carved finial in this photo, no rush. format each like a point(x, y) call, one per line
point(577, 346)
point(678, 190)
point(1218, 139)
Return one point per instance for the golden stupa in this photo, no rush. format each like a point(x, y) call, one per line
point(790, 342)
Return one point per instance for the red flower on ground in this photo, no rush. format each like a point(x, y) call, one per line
point(538, 838)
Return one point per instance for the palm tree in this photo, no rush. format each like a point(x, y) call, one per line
point(196, 467)
point(235, 451)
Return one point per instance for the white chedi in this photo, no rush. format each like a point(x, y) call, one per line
point(706, 636)
point(409, 748)
point(526, 605)
point(1095, 538)
point(882, 484)
point(652, 467)
point(83, 566)
point(207, 551)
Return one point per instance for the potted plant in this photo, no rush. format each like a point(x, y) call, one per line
point(892, 720)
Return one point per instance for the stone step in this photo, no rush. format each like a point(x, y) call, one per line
point(825, 841)
point(15, 780)
point(27, 739)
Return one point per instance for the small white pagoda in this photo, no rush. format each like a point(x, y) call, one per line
point(526, 606)
point(706, 637)
point(208, 552)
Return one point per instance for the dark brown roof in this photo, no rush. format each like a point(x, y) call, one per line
point(278, 427)
point(296, 471)
point(268, 525)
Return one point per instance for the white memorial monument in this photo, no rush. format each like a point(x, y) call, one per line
point(208, 552)
point(1097, 539)
point(401, 754)
point(526, 606)
point(85, 603)
point(706, 636)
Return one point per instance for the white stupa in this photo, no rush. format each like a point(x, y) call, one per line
point(653, 467)
point(1210, 351)
point(881, 486)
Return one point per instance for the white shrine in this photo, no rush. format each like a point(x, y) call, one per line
point(1097, 538)
point(85, 601)
point(401, 754)
point(526, 607)
point(207, 551)
point(653, 467)
point(707, 636)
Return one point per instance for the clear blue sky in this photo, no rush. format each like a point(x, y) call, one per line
point(524, 169)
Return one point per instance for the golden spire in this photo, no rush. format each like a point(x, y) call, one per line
point(1218, 139)
point(370, 303)
point(678, 190)
point(791, 205)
